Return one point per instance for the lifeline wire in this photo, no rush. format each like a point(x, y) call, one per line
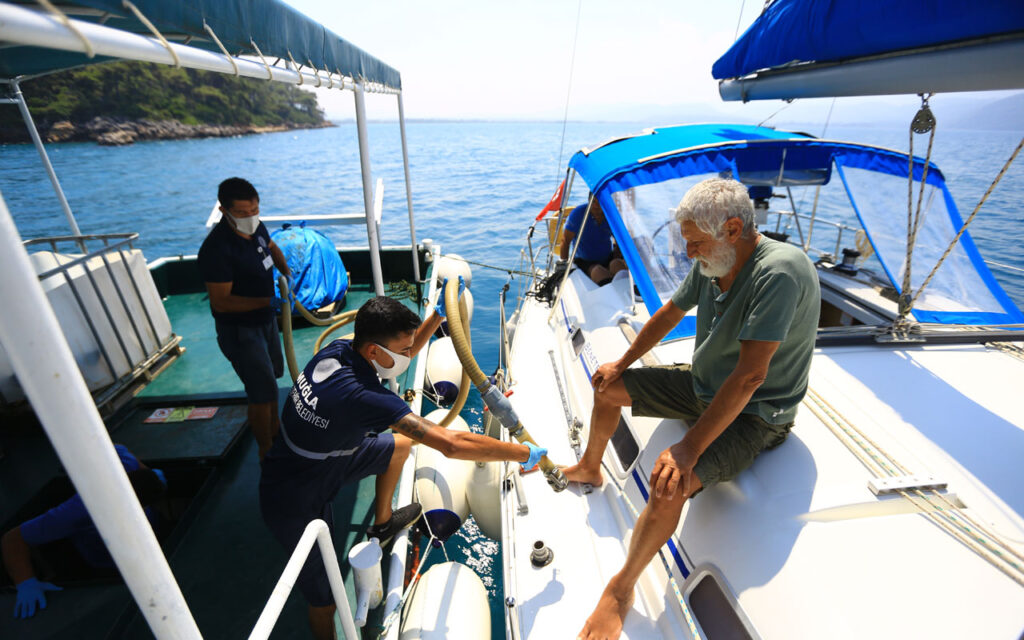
point(568, 90)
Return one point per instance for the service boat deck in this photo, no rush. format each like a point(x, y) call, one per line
point(142, 339)
point(216, 543)
point(894, 509)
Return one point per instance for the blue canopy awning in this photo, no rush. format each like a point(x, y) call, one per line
point(277, 29)
point(761, 156)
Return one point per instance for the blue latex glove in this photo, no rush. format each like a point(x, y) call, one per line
point(439, 307)
point(30, 596)
point(536, 453)
point(160, 475)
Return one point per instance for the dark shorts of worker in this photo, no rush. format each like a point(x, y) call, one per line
point(288, 507)
point(255, 354)
point(666, 391)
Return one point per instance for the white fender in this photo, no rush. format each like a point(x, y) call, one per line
point(440, 484)
point(452, 266)
point(449, 601)
point(444, 371)
point(482, 492)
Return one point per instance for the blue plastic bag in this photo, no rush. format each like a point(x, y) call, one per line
point(318, 274)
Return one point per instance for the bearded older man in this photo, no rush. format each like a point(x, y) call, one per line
point(757, 314)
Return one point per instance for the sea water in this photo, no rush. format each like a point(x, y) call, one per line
point(476, 187)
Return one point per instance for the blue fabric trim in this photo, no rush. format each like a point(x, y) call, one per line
point(819, 30)
point(1012, 315)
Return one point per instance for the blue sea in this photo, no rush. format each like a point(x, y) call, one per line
point(476, 187)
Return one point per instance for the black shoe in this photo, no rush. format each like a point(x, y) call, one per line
point(400, 519)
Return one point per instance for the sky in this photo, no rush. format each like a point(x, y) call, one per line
point(465, 59)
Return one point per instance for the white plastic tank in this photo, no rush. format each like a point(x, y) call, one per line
point(72, 316)
point(448, 602)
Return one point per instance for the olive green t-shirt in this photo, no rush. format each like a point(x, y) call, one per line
point(775, 298)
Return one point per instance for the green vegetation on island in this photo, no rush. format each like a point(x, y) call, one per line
point(120, 92)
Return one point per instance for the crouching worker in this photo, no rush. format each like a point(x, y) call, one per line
point(332, 434)
point(78, 542)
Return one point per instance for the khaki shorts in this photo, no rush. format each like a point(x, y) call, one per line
point(666, 391)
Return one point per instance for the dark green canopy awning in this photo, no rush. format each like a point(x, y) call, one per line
point(276, 28)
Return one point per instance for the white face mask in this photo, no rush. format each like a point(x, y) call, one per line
point(247, 225)
point(395, 370)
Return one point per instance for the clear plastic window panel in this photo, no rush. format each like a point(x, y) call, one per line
point(648, 212)
point(882, 202)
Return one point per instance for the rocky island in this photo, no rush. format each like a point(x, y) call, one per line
point(125, 102)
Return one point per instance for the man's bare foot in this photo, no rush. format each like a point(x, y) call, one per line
point(606, 621)
point(576, 473)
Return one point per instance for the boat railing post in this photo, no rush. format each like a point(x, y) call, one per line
point(19, 98)
point(408, 189)
point(364, 165)
point(47, 372)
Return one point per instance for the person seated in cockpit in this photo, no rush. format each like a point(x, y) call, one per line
point(596, 254)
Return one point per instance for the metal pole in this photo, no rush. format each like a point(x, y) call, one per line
point(315, 532)
point(364, 165)
point(53, 384)
point(408, 190)
point(38, 142)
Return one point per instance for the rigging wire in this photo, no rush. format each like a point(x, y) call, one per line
point(568, 90)
point(739, 19)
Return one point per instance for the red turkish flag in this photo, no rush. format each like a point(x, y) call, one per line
point(553, 203)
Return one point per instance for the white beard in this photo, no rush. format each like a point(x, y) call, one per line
point(720, 262)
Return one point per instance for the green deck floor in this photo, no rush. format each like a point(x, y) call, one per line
point(223, 557)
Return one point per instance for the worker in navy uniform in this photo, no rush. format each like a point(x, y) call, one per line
point(332, 433)
point(237, 260)
point(69, 524)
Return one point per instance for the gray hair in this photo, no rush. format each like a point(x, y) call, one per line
point(708, 204)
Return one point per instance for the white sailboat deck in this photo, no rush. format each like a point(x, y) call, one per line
point(800, 540)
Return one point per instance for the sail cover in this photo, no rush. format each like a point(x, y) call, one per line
point(640, 179)
point(277, 29)
point(875, 47)
point(793, 31)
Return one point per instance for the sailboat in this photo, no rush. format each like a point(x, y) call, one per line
point(894, 507)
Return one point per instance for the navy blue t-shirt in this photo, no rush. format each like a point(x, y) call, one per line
point(70, 519)
point(336, 402)
point(595, 244)
point(228, 257)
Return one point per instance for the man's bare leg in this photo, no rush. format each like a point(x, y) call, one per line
point(653, 529)
point(599, 274)
point(262, 421)
point(387, 481)
point(321, 622)
point(603, 420)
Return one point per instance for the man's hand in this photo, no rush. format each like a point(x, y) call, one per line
point(606, 374)
point(31, 596)
point(674, 469)
point(439, 308)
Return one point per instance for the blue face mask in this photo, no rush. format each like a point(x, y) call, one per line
point(395, 370)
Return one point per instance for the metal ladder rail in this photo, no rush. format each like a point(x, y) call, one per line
point(316, 531)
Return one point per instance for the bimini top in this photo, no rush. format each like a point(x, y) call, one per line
point(816, 48)
point(639, 180)
point(277, 29)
